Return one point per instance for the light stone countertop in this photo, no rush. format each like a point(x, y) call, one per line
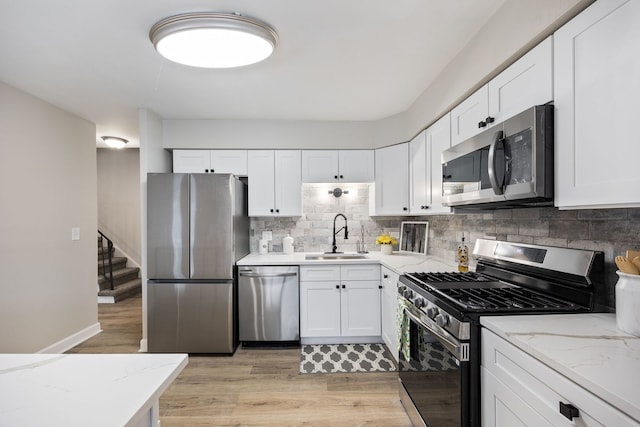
point(399, 262)
point(588, 349)
point(83, 389)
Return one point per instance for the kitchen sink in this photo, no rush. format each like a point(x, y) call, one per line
point(320, 257)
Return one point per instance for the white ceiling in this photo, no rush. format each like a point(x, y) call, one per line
point(336, 60)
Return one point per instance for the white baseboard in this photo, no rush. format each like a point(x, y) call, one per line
point(73, 340)
point(341, 340)
point(143, 346)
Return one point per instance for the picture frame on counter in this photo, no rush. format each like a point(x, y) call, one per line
point(414, 237)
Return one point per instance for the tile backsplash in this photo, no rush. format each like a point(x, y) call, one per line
point(611, 231)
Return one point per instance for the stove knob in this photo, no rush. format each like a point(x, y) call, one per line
point(432, 312)
point(442, 320)
point(401, 289)
point(420, 302)
point(408, 294)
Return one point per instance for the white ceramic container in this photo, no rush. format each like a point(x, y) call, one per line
point(287, 245)
point(386, 249)
point(628, 303)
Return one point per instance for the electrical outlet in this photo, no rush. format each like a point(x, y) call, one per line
point(75, 233)
point(267, 235)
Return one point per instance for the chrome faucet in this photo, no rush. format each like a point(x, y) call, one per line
point(346, 232)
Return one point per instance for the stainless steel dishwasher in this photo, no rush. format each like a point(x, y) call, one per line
point(268, 305)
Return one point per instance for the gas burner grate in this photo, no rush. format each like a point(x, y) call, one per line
point(505, 299)
point(454, 277)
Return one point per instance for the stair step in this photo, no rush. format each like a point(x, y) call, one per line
point(117, 263)
point(120, 276)
point(123, 290)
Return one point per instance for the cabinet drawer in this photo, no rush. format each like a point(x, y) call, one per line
point(543, 388)
point(314, 273)
point(360, 272)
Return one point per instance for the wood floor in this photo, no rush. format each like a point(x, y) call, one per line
point(255, 387)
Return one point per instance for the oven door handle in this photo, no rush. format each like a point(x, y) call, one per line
point(461, 351)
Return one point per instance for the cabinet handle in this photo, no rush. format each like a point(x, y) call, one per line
point(335, 176)
point(379, 286)
point(405, 209)
point(337, 286)
point(277, 210)
point(482, 124)
point(271, 210)
point(343, 286)
point(341, 176)
point(569, 411)
point(206, 170)
point(490, 120)
point(386, 276)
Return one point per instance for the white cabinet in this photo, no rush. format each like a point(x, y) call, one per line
point(391, 189)
point(389, 281)
point(519, 390)
point(210, 161)
point(597, 64)
point(525, 83)
point(275, 184)
point(337, 166)
point(420, 176)
point(437, 139)
point(339, 301)
point(425, 168)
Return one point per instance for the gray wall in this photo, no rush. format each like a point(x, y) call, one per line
point(119, 199)
point(48, 285)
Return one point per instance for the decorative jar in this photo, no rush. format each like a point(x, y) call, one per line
point(628, 303)
point(386, 249)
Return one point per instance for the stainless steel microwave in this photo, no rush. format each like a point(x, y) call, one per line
point(508, 165)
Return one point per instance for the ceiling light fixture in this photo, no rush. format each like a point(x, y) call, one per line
point(213, 40)
point(114, 141)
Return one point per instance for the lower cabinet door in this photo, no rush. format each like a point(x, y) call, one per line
point(501, 407)
point(320, 309)
point(360, 308)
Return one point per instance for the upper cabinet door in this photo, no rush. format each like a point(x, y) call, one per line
point(229, 161)
point(527, 82)
point(597, 64)
point(392, 180)
point(320, 166)
point(261, 168)
point(466, 117)
point(356, 165)
point(337, 166)
point(288, 182)
point(419, 180)
point(191, 161)
point(438, 139)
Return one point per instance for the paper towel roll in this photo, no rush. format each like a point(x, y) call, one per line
point(263, 246)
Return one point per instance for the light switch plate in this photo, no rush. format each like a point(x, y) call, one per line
point(75, 233)
point(267, 235)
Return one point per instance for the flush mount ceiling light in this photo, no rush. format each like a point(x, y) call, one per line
point(213, 40)
point(114, 141)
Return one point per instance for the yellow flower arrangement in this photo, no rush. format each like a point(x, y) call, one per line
point(386, 239)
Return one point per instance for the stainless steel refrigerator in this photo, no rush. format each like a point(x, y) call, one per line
point(197, 228)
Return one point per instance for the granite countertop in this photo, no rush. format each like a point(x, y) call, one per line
point(399, 262)
point(588, 349)
point(83, 389)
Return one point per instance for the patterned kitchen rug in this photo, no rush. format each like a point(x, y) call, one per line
point(333, 358)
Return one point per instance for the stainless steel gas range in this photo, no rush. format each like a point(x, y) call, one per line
point(439, 367)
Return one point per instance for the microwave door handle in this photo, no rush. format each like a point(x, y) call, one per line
point(493, 178)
